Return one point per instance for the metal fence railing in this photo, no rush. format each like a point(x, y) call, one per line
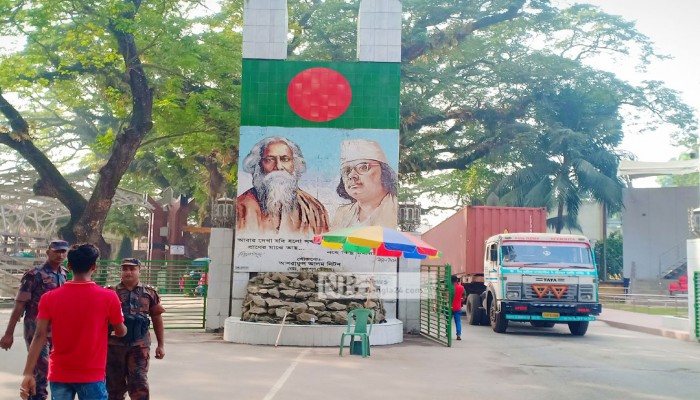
point(696, 303)
point(648, 304)
point(181, 284)
point(11, 270)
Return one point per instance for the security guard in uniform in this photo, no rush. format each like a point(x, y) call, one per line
point(127, 357)
point(34, 284)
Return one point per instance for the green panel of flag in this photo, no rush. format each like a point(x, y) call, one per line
point(375, 94)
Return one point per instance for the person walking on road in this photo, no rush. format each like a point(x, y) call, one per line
point(457, 301)
point(34, 284)
point(79, 313)
point(127, 357)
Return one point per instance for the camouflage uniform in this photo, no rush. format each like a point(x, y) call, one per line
point(34, 284)
point(127, 362)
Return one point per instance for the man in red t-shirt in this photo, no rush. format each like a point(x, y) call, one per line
point(457, 300)
point(78, 312)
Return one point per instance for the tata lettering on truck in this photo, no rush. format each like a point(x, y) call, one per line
point(526, 276)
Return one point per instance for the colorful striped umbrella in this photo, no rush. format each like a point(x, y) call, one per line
point(377, 240)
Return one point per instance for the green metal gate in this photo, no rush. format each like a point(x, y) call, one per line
point(436, 303)
point(696, 301)
point(181, 284)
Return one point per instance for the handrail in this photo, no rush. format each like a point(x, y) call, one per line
point(647, 303)
point(663, 254)
point(9, 283)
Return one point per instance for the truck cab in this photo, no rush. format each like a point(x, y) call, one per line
point(537, 277)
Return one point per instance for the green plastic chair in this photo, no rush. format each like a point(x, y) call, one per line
point(361, 317)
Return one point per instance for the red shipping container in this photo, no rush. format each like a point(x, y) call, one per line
point(461, 237)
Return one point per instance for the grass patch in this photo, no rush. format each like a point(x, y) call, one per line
point(681, 311)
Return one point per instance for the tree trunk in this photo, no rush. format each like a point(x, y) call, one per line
point(88, 217)
point(560, 217)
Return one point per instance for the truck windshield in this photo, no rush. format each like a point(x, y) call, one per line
point(574, 255)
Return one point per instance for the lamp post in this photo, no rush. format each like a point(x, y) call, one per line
point(409, 216)
point(605, 242)
point(223, 212)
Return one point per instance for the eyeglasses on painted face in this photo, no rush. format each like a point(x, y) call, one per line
point(361, 169)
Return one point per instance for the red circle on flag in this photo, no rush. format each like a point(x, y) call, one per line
point(319, 94)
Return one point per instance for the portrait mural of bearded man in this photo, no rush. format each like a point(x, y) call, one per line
point(275, 204)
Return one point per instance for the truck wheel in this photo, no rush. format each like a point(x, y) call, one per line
point(542, 324)
point(473, 310)
point(485, 321)
point(578, 328)
point(499, 323)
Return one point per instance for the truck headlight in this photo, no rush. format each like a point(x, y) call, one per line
point(513, 290)
point(586, 293)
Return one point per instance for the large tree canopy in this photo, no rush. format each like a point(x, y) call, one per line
point(146, 94)
point(101, 84)
point(494, 91)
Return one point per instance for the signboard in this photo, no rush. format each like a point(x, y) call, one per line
point(177, 250)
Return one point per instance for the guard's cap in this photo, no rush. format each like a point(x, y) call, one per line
point(59, 245)
point(131, 261)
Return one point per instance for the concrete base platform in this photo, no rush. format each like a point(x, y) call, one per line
point(238, 331)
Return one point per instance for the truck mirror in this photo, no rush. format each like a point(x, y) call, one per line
point(494, 255)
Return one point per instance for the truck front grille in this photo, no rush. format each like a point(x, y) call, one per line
point(569, 295)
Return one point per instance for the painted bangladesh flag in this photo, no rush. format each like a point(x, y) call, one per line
point(320, 94)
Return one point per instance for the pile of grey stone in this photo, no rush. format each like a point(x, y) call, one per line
point(309, 298)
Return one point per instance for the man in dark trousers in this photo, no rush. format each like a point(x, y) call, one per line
point(34, 284)
point(127, 357)
point(457, 305)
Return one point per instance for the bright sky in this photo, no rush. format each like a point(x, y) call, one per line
point(672, 26)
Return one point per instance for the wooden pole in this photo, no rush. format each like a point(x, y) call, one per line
point(279, 334)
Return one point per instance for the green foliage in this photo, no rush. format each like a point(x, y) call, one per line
point(680, 180)
point(125, 249)
point(127, 221)
point(453, 189)
point(492, 82)
point(489, 89)
point(608, 256)
point(573, 155)
point(70, 74)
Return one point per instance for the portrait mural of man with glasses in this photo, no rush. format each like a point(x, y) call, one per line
point(369, 183)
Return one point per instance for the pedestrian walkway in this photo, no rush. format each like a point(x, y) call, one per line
point(661, 325)
point(202, 365)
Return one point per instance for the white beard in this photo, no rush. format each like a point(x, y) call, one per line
point(276, 192)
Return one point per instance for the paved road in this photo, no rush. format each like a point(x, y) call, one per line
point(527, 363)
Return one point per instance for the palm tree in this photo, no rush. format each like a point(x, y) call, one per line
point(572, 158)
